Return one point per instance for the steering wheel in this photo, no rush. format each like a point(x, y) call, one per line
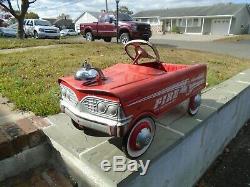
point(140, 51)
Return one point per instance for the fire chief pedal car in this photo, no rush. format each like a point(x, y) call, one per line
point(126, 99)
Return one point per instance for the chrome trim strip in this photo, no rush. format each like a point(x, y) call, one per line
point(94, 118)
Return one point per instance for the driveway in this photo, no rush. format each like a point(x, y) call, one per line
point(240, 50)
point(189, 37)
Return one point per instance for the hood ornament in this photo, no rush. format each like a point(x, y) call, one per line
point(89, 74)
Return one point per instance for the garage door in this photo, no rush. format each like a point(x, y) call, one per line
point(220, 26)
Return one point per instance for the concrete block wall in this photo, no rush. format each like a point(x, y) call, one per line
point(227, 108)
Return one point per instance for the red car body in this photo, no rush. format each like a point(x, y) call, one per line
point(142, 90)
point(124, 100)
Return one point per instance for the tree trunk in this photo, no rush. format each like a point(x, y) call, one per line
point(20, 30)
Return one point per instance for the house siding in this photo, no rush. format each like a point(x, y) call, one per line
point(193, 29)
point(242, 18)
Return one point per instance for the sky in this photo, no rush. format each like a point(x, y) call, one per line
point(74, 8)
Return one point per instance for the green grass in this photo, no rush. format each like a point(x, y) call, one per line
point(29, 79)
point(11, 43)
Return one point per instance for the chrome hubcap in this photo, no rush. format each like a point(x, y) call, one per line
point(197, 100)
point(143, 138)
point(88, 37)
point(124, 40)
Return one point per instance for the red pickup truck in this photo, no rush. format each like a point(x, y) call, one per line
point(105, 29)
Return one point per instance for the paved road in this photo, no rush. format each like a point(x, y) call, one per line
point(240, 50)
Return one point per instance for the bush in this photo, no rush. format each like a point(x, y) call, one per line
point(176, 29)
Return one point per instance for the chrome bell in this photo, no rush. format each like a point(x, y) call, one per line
point(86, 73)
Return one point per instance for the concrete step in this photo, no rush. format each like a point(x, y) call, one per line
point(38, 177)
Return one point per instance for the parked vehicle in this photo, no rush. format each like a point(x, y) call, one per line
point(68, 32)
point(39, 28)
point(105, 29)
point(8, 32)
point(126, 99)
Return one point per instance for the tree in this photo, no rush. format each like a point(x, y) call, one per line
point(18, 14)
point(125, 10)
point(31, 15)
point(63, 16)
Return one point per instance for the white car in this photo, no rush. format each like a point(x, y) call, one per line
point(8, 32)
point(39, 28)
point(68, 32)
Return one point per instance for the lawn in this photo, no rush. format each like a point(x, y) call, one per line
point(10, 43)
point(29, 79)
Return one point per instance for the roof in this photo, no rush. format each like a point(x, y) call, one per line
point(66, 22)
point(95, 14)
point(51, 20)
point(218, 9)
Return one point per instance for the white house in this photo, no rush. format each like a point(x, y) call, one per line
point(86, 17)
point(219, 19)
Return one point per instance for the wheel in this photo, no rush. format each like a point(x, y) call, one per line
point(194, 104)
point(89, 37)
point(138, 140)
point(36, 36)
point(108, 39)
point(124, 38)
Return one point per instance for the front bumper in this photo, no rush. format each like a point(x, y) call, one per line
point(48, 35)
point(141, 35)
point(101, 124)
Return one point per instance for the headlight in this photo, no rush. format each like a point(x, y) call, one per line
point(112, 110)
point(101, 108)
point(41, 30)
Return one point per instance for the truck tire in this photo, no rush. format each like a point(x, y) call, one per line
point(107, 39)
point(146, 39)
point(89, 37)
point(36, 36)
point(124, 38)
point(139, 138)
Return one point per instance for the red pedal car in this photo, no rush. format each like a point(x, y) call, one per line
point(124, 100)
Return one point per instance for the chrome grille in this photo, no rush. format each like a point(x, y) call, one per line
point(50, 31)
point(143, 28)
point(90, 104)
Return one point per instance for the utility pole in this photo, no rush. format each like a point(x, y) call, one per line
point(117, 20)
point(107, 6)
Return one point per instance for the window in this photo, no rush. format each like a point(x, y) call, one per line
point(190, 22)
point(181, 22)
point(194, 22)
point(153, 21)
point(102, 19)
point(144, 20)
point(42, 23)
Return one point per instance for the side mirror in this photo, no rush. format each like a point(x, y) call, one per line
point(111, 20)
